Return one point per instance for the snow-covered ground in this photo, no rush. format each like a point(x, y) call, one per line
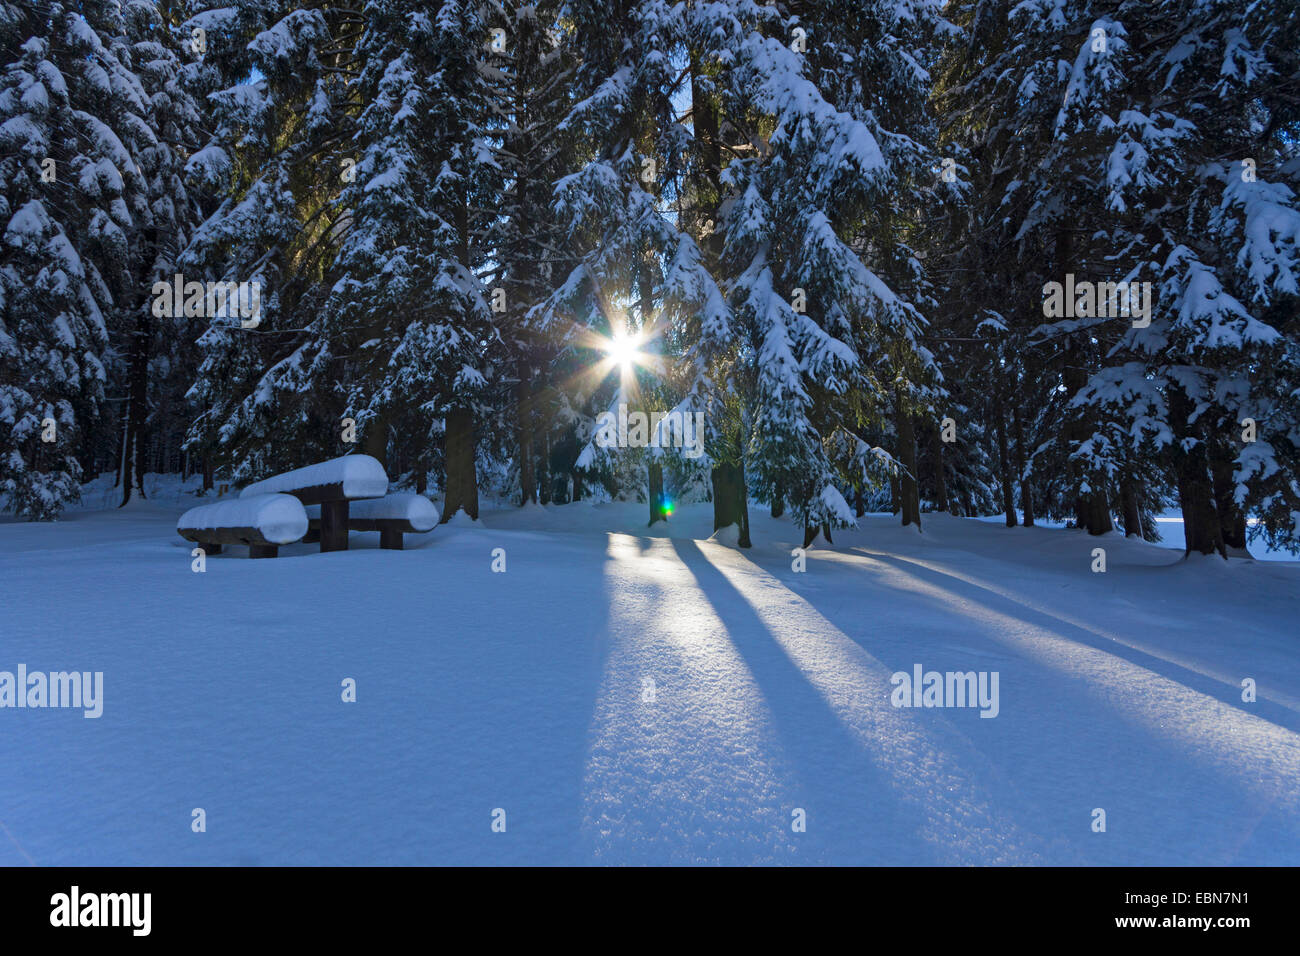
point(627, 695)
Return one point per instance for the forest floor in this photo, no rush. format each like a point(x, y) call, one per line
point(634, 695)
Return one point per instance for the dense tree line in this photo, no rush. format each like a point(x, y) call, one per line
point(829, 227)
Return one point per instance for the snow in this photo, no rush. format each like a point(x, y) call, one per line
point(360, 475)
point(417, 509)
point(634, 695)
point(728, 536)
point(280, 518)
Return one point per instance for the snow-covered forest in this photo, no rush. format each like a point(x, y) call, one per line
point(830, 229)
point(750, 399)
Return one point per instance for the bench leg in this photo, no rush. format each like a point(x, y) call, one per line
point(390, 539)
point(333, 526)
point(263, 550)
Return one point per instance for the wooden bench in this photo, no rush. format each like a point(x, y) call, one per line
point(332, 485)
point(392, 516)
point(263, 522)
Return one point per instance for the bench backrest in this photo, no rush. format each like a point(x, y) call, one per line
point(348, 478)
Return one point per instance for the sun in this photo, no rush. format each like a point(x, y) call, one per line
point(624, 350)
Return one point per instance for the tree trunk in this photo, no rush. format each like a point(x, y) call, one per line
point(134, 438)
point(1097, 513)
point(1202, 532)
point(908, 492)
point(729, 504)
point(657, 511)
point(810, 534)
point(1232, 520)
point(940, 480)
point(1004, 469)
point(778, 501)
point(1091, 509)
point(544, 480)
point(524, 438)
point(1026, 491)
point(1129, 506)
point(577, 485)
point(461, 483)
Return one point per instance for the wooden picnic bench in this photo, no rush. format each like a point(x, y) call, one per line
point(263, 522)
point(332, 485)
point(392, 516)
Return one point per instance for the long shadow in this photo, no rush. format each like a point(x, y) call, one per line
point(1081, 751)
point(1074, 759)
point(1209, 686)
point(848, 798)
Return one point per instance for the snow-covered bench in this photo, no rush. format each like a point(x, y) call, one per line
point(263, 522)
point(332, 485)
point(392, 516)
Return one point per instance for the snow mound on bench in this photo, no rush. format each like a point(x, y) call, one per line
point(417, 509)
point(281, 519)
point(359, 475)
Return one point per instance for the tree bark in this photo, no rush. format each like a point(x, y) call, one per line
point(1232, 520)
point(810, 534)
point(1202, 531)
point(524, 438)
point(461, 483)
point(1004, 469)
point(908, 492)
point(1026, 491)
point(778, 501)
point(1129, 505)
point(134, 437)
point(544, 480)
point(657, 512)
point(1091, 509)
point(729, 504)
point(1097, 513)
point(940, 480)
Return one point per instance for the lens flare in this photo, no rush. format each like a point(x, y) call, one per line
point(624, 350)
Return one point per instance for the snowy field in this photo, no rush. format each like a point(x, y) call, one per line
point(634, 696)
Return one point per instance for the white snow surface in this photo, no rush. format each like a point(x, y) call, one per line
point(417, 509)
point(280, 518)
point(360, 475)
point(634, 695)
